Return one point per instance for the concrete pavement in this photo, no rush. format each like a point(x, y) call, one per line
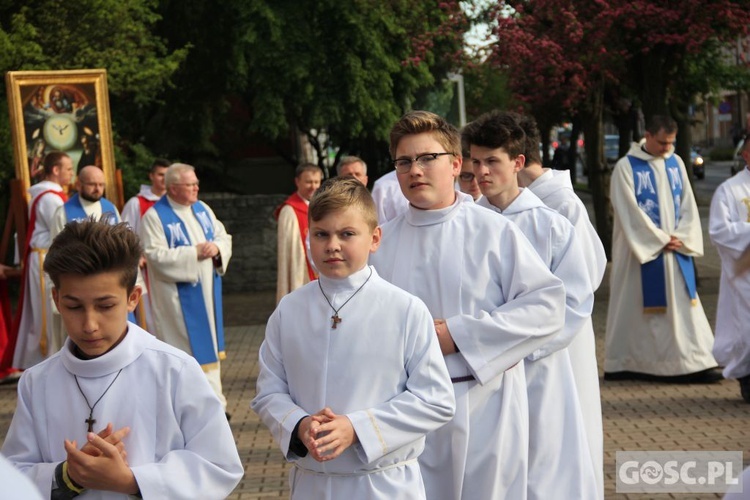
point(637, 416)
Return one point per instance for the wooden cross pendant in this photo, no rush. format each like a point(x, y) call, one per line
point(335, 320)
point(91, 421)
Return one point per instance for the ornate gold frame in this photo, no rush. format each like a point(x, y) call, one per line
point(76, 97)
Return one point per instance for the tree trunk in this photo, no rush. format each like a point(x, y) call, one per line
point(573, 149)
point(684, 137)
point(599, 174)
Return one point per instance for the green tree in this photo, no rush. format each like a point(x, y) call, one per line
point(110, 34)
point(343, 72)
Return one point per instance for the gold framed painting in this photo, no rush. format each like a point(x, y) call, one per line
point(61, 111)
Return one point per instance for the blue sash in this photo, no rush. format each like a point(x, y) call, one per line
point(653, 279)
point(74, 213)
point(74, 210)
point(193, 306)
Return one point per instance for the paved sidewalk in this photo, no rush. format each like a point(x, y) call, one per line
point(637, 416)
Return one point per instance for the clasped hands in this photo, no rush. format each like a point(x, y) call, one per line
point(674, 244)
point(207, 250)
point(326, 435)
point(102, 463)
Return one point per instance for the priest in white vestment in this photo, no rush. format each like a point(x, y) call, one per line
point(294, 268)
point(134, 209)
point(555, 189)
point(35, 333)
point(560, 462)
point(656, 326)
point(187, 249)
point(729, 230)
point(494, 302)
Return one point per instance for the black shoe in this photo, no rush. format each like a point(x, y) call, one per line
point(710, 376)
point(622, 376)
point(745, 387)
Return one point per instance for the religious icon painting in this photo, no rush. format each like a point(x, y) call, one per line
point(60, 111)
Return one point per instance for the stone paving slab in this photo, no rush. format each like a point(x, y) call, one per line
point(637, 415)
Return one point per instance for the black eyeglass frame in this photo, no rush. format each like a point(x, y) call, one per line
point(405, 169)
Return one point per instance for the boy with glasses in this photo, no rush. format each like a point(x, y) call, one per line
point(466, 264)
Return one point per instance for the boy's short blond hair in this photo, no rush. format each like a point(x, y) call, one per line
point(418, 122)
point(340, 193)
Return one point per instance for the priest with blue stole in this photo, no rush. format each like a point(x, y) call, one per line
point(187, 250)
point(656, 327)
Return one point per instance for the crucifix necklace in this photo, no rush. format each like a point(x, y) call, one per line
point(335, 319)
point(91, 420)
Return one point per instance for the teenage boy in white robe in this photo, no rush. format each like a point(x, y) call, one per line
point(146, 418)
point(351, 376)
point(729, 229)
point(494, 302)
point(560, 463)
point(555, 189)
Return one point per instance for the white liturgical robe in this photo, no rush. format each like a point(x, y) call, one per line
point(169, 266)
point(90, 208)
point(559, 458)
point(180, 444)
point(291, 270)
point(675, 342)
point(729, 229)
point(380, 366)
point(501, 303)
point(389, 200)
point(131, 212)
point(36, 318)
point(556, 191)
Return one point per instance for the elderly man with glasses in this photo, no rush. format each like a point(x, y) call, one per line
point(188, 251)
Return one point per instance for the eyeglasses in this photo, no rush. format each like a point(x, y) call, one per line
point(189, 184)
point(466, 176)
point(425, 161)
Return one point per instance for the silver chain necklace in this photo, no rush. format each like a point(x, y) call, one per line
point(335, 319)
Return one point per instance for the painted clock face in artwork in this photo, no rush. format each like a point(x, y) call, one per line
point(60, 132)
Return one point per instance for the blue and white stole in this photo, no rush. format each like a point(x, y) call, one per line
point(74, 210)
point(653, 279)
point(193, 306)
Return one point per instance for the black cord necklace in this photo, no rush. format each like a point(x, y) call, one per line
point(91, 421)
point(335, 319)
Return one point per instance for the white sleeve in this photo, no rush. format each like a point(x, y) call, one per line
point(208, 465)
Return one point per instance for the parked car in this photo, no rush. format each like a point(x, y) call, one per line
point(698, 163)
point(738, 162)
point(611, 148)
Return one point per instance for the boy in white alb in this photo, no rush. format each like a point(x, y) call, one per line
point(560, 464)
point(494, 302)
point(351, 376)
point(556, 191)
point(172, 439)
